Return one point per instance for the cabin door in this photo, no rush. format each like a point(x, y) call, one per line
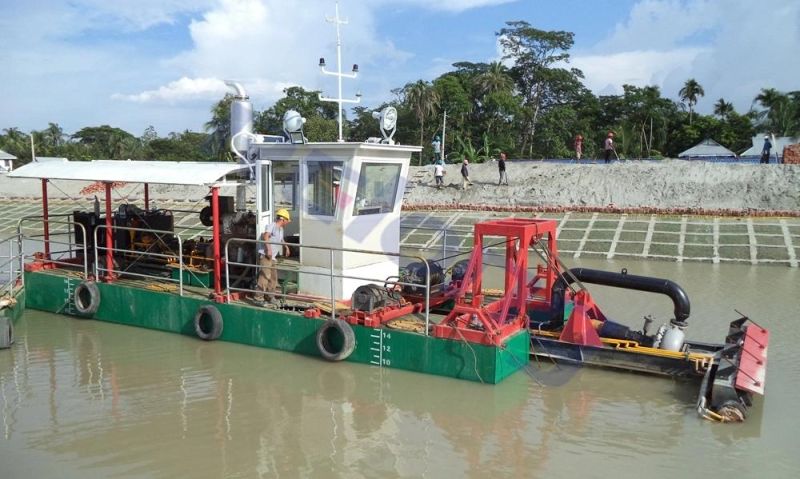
point(263, 194)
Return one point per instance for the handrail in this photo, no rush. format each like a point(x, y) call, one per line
point(98, 268)
point(14, 273)
point(69, 243)
point(331, 272)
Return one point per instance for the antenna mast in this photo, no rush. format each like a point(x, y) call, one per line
point(338, 73)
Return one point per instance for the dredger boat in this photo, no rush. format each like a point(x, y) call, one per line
point(347, 291)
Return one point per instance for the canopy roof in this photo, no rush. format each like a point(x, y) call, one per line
point(778, 143)
point(193, 173)
point(706, 148)
point(6, 156)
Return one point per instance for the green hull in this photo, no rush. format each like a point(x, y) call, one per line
point(167, 311)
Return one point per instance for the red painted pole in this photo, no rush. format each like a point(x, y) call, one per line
point(109, 235)
point(45, 219)
point(146, 196)
point(217, 259)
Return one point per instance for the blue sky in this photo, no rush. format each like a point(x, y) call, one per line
point(135, 63)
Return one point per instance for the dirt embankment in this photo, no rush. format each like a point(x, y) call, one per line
point(669, 186)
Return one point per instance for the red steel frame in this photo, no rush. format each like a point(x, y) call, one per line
point(218, 296)
point(520, 233)
point(110, 276)
point(45, 217)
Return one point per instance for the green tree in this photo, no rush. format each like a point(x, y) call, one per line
point(107, 142)
point(781, 112)
point(723, 109)
point(219, 128)
point(423, 100)
point(186, 146)
point(541, 82)
point(690, 93)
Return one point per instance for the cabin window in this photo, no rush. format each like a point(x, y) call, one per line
point(284, 187)
point(377, 188)
point(324, 179)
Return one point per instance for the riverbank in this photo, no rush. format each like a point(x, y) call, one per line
point(663, 187)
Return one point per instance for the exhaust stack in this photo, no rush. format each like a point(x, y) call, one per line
point(241, 120)
point(241, 135)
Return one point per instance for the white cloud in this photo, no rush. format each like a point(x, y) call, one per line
point(179, 90)
point(455, 5)
point(607, 73)
point(278, 48)
point(732, 48)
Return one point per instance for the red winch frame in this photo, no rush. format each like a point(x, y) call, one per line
point(495, 322)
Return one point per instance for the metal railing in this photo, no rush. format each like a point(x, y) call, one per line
point(331, 273)
point(13, 261)
point(141, 254)
point(56, 257)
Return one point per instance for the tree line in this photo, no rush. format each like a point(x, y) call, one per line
point(531, 104)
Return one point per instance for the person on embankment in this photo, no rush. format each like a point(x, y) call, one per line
point(501, 168)
point(608, 146)
point(465, 174)
point(578, 147)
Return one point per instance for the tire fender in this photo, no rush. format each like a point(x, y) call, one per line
point(208, 323)
point(86, 298)
point(335, 340)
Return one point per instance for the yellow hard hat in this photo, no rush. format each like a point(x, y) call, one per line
point(283, 213)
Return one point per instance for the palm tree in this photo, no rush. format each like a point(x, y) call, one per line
point(690, 93)
point(220, 127)
point(52, 136)
point(723, 109)
point(423, 100)
point(494, 79)
point(781, 113)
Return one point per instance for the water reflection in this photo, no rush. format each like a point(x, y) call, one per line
point(82, 397)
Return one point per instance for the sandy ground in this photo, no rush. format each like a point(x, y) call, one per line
point(666, 184)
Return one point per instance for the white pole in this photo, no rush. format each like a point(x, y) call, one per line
point(444, 131)
point(33, 150)
point(339, 66)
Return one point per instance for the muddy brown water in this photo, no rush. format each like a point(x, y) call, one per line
point(89, 399)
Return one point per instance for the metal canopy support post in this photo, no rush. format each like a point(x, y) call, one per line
point(147, 196)
point(45, 212)
point(110, 276)
point(216, 233)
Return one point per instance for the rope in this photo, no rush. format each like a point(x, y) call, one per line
point(74, 200)
point(522, 366)
point(474, 356)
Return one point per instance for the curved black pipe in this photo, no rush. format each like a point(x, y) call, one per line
point(630, 281)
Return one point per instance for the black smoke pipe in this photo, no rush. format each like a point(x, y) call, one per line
point(627, 281)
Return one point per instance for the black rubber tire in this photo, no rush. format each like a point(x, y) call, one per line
point(332, 348)
point(206, 216)
point(6, 333)
point(208, 323)
point(732, 411)
point(86, 298)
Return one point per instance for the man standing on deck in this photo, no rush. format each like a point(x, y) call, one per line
point(765, 151)
point(608, 146)
point(501, 167)
point(268, 253)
